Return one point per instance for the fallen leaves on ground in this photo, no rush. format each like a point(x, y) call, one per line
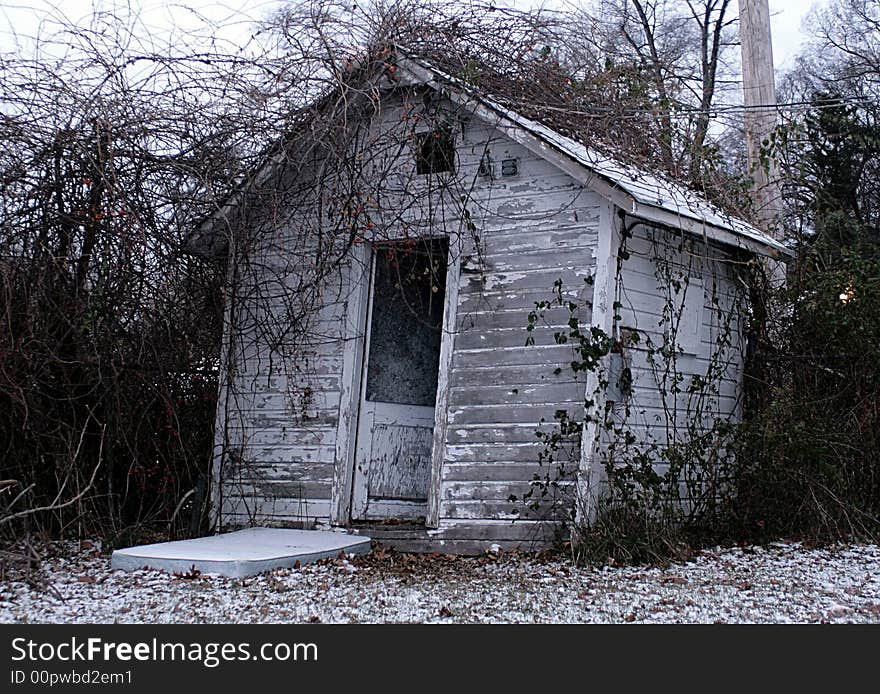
point(784, 582)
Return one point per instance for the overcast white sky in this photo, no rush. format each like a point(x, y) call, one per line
point(25, 16)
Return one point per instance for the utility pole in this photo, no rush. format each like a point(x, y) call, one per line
point(759, 96)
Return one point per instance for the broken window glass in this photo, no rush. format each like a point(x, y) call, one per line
point(409, 287)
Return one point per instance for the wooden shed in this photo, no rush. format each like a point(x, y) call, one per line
point(414, 396)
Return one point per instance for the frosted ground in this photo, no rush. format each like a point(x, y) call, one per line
point(778, 583)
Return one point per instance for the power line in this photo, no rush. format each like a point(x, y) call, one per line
point(713, 111)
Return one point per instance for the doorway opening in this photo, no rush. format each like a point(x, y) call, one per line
point(399, 381)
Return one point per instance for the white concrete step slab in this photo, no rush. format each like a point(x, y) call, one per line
point(241, 553)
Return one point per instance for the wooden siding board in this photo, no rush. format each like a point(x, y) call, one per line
point(510, 413)
point(495, 491)
point(512, 531)
point(514, 319)
point(496, 453)
point(522, 302)
point(499, 470)
point(498, 509)
point(513, 376)
point(501, 433)
point(564, 392)
point(537, 357)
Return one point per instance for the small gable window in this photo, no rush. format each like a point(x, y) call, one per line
point(435, 151)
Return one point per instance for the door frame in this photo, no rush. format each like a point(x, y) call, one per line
point(360, 275)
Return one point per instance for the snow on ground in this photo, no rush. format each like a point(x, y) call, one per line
point(778, 583)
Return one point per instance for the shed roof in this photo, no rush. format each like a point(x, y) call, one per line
point(640, 193)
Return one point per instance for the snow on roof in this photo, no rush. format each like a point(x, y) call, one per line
point(643, 187)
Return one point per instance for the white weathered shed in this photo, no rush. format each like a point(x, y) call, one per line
point(417, 418)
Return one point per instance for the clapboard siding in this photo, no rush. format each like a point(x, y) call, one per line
point(247, 508)
point(661, 272)
point(536, 229)
point(282, 436)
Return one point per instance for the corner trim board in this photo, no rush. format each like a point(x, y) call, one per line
point(349, 405)
point(604, 296)
point(441, 407)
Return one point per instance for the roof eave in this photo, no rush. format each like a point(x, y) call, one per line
point(713, 232)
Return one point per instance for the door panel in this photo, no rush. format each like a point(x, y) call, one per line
point(396, 420)
point(398, 462)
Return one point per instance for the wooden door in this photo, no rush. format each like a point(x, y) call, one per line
point(399, 383)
